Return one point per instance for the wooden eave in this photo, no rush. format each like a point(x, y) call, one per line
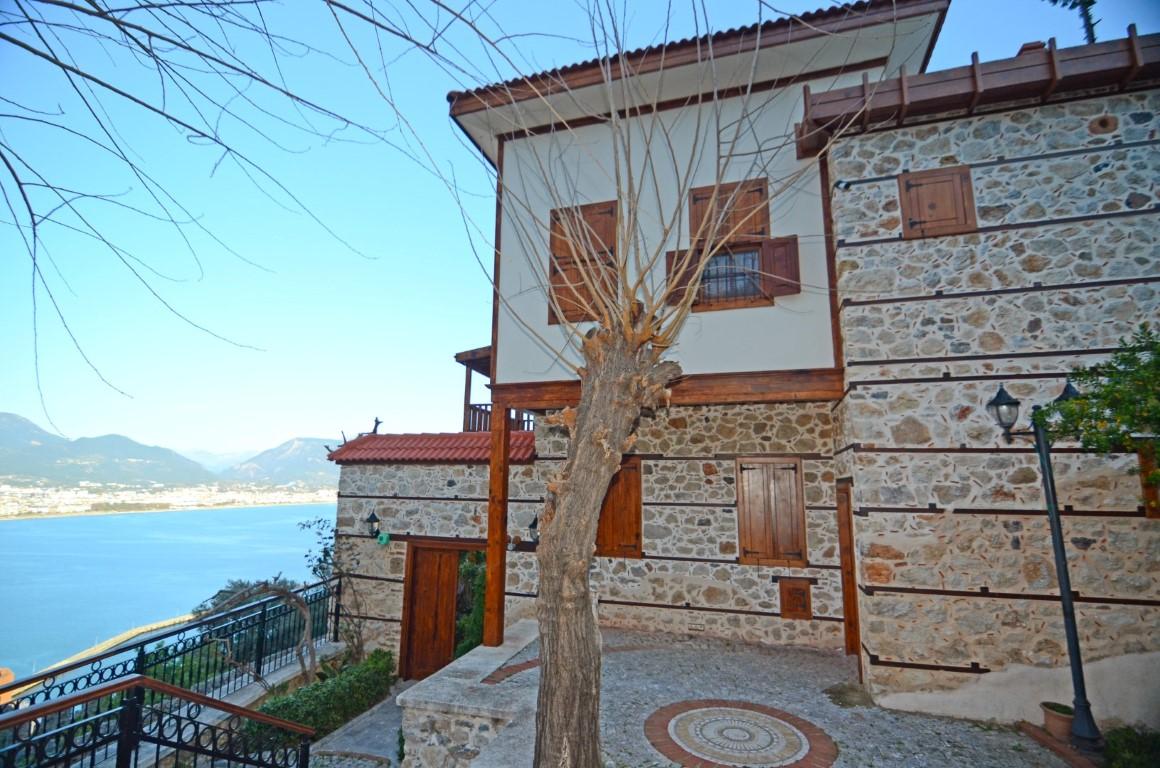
point(828, 21)
point(807, 385)
point(1046, 73)
point(478, 360)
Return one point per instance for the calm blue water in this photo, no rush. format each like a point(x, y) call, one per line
point(67, 583)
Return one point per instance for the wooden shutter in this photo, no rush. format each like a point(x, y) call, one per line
point(618, 533)
point(795, 599)
point(582, 244)
point(741, 210)
point(779, 265)
point(770, 512)
point(937, 202)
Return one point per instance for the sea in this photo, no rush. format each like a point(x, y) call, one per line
point(68, 583)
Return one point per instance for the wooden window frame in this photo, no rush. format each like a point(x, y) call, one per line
point(635, 549)
point(772, 285)
point(778, 264)
point(958, 179)
point(743, 512)
point(607, 259)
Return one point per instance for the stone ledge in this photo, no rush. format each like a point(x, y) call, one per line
point(514, 748)
point(458, 688)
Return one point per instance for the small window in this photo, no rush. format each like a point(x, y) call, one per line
point(618, 533)
point(770, 512)
point(582, 260)
point(742, 274)
point(937, 202)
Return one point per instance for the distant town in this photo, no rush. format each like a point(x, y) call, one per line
point(89, 498)
point(47, 475)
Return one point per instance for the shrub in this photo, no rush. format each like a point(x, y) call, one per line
point(330, 703)
point(1130, 748)
point(469, 627)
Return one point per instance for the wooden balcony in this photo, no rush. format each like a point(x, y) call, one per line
point(477, 418)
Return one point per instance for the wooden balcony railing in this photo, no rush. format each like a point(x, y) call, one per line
point(477, 418)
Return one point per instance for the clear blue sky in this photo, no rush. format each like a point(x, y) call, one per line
point(343, 338)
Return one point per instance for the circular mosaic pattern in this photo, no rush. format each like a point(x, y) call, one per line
point(737, 734)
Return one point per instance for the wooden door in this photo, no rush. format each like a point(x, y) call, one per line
point(428, 642)
point(846, 552)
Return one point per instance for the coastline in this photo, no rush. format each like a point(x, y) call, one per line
point(176, 500)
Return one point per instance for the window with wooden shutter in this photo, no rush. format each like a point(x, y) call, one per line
point(618, 533)
point(937, 202)
point(744, 274)
point(748, 267)
point(582, 262)
point(770, 512)
point(729, 212)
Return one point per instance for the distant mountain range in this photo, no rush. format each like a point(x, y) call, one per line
point(29, 454)
point(301, 460)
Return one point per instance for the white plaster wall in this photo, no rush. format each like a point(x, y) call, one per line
point(1121, 688)
point(581, 166)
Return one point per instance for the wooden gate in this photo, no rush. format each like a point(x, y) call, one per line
point(429, 592)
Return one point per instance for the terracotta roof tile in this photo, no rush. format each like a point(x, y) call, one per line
point(806, 18)
point(431, 448)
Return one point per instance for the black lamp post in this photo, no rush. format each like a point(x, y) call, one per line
point(1004, 409)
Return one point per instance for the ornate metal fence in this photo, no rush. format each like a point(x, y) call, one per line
point(137, 722)
point(215, 655)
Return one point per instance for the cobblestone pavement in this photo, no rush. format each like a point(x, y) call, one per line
point(638, 682)
point(371, 740)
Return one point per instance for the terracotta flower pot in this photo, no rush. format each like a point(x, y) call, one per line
point(1057, 723)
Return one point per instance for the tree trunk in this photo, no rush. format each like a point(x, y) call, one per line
point(619, 379)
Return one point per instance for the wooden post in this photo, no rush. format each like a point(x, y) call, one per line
point(497, 495)
point(467, 400)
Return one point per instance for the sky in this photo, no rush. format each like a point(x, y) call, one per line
point(320, 321)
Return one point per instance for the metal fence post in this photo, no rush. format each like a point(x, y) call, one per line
point(337, 609)
point(304, 752)
point(260, 643)
point(129, 727)
point(139, 663)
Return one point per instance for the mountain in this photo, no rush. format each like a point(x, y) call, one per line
point(216, 462)
point(30, 454)
point(301, 460)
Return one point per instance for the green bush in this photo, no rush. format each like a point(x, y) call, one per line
point(469, 626)
point(1130, 748)
point(330, 703)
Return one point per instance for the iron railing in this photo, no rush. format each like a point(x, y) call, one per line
point(477, 418)
point(137, 722)
point(215, 655)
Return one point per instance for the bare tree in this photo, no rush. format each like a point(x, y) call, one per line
point(622, 299)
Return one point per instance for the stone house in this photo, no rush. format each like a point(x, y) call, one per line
point(827, 474)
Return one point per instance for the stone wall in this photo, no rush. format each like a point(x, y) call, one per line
point(446, 739)
point(955, 559)
point(689, 579)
